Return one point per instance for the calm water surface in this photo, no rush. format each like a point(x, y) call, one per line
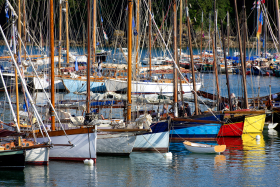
point(246, 162)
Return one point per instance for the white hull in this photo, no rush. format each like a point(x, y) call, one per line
point(79, 152)
point(154, 61)
point(115, 144)
point(46, 84)
point(138, 87)
point(37, 156)
point(152, 142)
point(203, 148)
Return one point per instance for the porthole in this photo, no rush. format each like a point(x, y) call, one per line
point(7, 147)
point(27, 144)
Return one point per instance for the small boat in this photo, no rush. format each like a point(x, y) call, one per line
point(12, 159)
point(204, 148)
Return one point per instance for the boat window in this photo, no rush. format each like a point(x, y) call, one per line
point(7, 146)
point(27, 144)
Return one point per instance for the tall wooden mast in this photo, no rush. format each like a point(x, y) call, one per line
point(278, 21)
point(192, 63)
point(225, 59)
point(228, 33)
point(180, 43)
point(52, 63)
point(60, 33)
point(201, 35)
point(215, 26)
point(216, 72)
point(137, 37)
point(16, 73)
point(24, 27)
point(94, 32)
point(241, 56)
point(150, 38)
point(129, 69)
point(88, 57)
point(175, 72)
point(244, 34)
point(67, 32)
point(181, 25)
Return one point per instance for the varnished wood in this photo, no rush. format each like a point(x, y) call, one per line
point(196, 120)
point(244, 112)
point(90, 129)
point(52, 62)
point(129, 73)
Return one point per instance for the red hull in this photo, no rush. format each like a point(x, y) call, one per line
point(37, 163)
point(232, 129)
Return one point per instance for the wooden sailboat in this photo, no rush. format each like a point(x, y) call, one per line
point(205, 126)
point(36, 153)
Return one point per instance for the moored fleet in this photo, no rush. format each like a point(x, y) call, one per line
point(120, 100)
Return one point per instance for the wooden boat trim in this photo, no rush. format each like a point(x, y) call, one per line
point(89, 129)
point(197, 120)
point(32, 147)
point(243, 112)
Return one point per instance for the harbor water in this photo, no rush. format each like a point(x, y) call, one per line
point(246, 162)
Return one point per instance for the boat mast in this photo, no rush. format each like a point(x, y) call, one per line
point(278, 21)
point(52, 64)
point(181, 25)
point(225, 59)
point(60, 32)
point(264, 33)
point(244, 34)
point(216, 72)
point(241, 56)
point(175, 80)
point(228, 33)
point(84, 50)
point(19, 56)
point(24, 27)
point(129, 69)
point(192, 63)
point(67, 33)
point(137, 37)
point(215, 27)
point(89, 55)
point(201, 36)
point(150, 39)
point(93, 34)
point(178, 61)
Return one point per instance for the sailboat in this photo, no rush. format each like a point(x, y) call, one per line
point(153, 137)
point(35, 153)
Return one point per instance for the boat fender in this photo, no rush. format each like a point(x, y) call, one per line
point(258, 137)
point(88, 162)
point(167, 155)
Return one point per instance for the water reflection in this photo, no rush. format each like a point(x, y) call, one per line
point(220, 161)
point(37, 174)
point(254, 158)
point(12, 178)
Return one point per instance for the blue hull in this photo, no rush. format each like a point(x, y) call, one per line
point(192, 130)
point(81, 86)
